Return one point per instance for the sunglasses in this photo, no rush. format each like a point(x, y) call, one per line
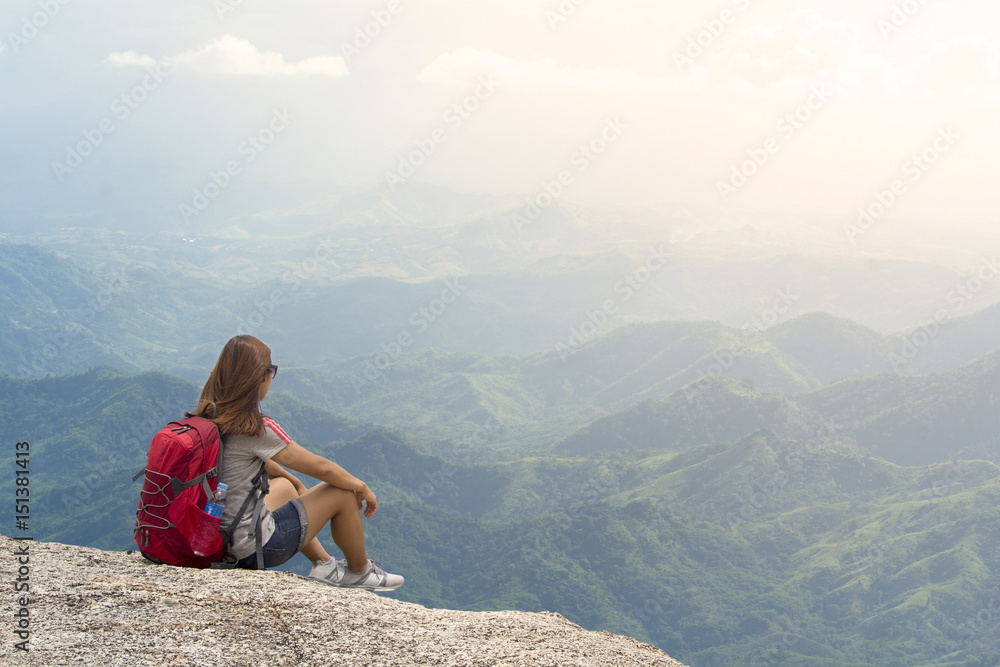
point(273, 370)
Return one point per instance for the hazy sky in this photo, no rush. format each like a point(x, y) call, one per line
point(820, 107)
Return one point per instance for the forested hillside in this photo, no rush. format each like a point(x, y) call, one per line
point(769, 538)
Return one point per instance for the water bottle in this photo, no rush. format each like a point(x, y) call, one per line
point(217, 505)
point(203, 537)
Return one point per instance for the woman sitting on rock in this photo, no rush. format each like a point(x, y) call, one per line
point(293, 514)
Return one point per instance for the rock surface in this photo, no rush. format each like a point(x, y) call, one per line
point(105, 608)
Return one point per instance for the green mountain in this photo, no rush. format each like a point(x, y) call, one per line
point(831, 348)
point(438, 394)
point(919, 420)
point(908, 420)
point(50, 309)
point(956, 341)
point(726, 410)
point(761, 547)
point(538, 398)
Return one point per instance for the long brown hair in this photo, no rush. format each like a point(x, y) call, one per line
point(231, 396)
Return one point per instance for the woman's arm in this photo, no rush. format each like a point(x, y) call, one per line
point(274, 470)
point(300, 459)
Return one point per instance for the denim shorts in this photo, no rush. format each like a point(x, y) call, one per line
point(290, 525)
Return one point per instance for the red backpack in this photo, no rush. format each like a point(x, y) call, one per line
point(181, 474)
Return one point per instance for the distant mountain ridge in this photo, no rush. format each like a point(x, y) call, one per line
point(326, 297)
point(451, 395)
point(906, 420)
point(628, 366)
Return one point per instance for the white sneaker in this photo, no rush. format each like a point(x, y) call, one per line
point(372, 578)
point(328, 574)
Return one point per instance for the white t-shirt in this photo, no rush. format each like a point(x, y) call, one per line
point(241, 459)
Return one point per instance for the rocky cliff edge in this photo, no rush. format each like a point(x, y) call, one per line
point(93, 607)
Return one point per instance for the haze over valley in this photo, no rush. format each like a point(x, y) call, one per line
point(679, 321)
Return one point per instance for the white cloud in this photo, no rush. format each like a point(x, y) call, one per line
point(465, 65)
point(129, 59)
point(230, 55)
point(806, 48)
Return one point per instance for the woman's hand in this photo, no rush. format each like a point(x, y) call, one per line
point(368, 496)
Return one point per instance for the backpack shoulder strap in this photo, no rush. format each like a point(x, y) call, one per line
point(258, 510)
point(260, 489)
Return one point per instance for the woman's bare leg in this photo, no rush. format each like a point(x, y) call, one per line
point(280, 492)
point(325, 503)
